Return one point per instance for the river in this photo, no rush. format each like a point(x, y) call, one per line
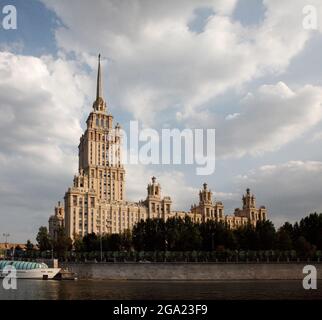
point(118, 290)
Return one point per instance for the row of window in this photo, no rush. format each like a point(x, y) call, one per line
point(158, 208)
point(83, 202)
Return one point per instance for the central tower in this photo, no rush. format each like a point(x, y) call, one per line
point(100, 151)
point(100, 181)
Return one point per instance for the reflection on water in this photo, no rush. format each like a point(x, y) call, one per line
point(106, 289)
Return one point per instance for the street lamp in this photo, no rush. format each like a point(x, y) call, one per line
point(212, 241)
point(51, 240)
point(6, 235)
point(101, 248)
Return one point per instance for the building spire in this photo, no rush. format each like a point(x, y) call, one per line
point(99, 80)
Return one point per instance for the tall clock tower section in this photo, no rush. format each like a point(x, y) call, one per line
point(101, 176)
point(100, 151)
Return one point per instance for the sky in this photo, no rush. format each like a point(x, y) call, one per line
point(249, 69)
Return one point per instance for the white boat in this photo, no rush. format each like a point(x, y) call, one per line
point(29, 270)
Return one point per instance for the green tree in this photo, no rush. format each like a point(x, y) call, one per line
point(216, 235)
point(310, 228)
point(266, 235)
point(126, 240)
point(188, 237)
point(43, 239)
point(29, 248)
point(115, 242)
point(247, 238)
point(303, 247)
point(62, 244)
point(283, 240)
point(91, 242)
point(79, 244)
point(138, 236)
point(150, 235)
point(172, 234)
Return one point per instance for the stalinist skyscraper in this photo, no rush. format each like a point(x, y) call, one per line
point(99, 152)
point(96, 201)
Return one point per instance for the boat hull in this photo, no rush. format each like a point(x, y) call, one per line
point(48, 273)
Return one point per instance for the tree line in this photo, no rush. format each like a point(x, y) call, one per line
point(176, 234)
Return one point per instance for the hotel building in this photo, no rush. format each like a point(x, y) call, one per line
point(96, 200)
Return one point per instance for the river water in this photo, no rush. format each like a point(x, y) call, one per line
point(205, 290)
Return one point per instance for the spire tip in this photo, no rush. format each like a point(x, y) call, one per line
point(99, 80)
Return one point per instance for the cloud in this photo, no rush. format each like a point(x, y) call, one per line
point(157, 64)
point(42, 100)
point(290, 190)
point(173, 184)
point(271, 117)
point(317, 137)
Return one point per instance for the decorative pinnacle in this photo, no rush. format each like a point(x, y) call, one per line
point(99, 80)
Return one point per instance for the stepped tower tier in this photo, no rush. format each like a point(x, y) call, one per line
point(101, 175)
point(249, 209)
point(158, 207)
point(207, 208)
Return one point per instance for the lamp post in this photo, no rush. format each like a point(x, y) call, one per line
point(101, 245)
point(52, 248)
point(212, 241)
point(6, 235)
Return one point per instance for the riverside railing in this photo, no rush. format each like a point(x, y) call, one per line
point(227, 256)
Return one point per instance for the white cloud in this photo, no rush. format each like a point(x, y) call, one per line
point(271, 117)
point(158, 64)
point(289, 190)
point(41, 106)
point(232, 116)
point(173, 184)
point(317, 137)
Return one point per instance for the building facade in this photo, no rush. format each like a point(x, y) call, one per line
point(96, 200)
